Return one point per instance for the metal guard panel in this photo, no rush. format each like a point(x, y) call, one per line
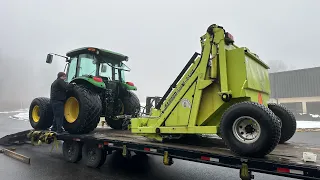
point(257, 75)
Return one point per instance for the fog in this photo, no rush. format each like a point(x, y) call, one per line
point(158, 36)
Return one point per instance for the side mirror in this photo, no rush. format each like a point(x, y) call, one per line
point(49, 58)
point(104, 68)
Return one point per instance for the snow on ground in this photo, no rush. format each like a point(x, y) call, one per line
point(308, 124)
point(23, 115)
point(17, 111)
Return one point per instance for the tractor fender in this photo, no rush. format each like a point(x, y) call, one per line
point(89, 82)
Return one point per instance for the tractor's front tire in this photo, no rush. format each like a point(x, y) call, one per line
point(131, 106)
point(288, 121)
point(250, 129)
point(82, 110)
point(40, 113)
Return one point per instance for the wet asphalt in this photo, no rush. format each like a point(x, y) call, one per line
point(46, 165)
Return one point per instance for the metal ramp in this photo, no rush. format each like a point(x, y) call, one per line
point(18, 138)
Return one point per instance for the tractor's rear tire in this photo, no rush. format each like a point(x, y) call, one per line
point(92, 125)
point(82, 110)
point(40, 113)
point(131, 105)
point(288, 121)
point(249, 118)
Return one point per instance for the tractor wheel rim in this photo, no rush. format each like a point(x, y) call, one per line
point(246, 129)
point(35, 113)
point(71, 109)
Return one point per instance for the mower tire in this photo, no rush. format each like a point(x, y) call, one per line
point(131, 106)
point(40, 113)
point(82, 110)
point(250, 129)
point(288, 121)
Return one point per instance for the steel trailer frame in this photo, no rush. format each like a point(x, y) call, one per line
point(280, 165)
point(285, 160)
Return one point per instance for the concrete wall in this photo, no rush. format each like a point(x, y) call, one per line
point(301, 103)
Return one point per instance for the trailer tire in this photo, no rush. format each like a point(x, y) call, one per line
point(266, 122)
point(288, 121)
point(82, 110)
point(72, 151)
point(94, 156)
point(131, 106)
point(40, 113)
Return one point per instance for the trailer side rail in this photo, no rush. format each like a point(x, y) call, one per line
point(246, 165)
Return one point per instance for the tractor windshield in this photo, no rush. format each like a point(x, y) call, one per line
point(87, 64)
point(121, 71)
point(106, 70)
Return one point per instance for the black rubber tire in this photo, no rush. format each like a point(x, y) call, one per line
point(288, 121)
point(92, 125)
point(45, 113)
point(100, 155)
point(131, 105)
point(75, 147)
point(140, 162)
point(269, 124)
point(90, 109)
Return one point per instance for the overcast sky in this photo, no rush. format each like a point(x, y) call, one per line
point(158, 36)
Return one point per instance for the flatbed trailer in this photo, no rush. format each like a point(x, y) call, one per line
point(285, 160)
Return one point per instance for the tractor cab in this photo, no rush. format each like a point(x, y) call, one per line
point(98, 66)
point(97, 63)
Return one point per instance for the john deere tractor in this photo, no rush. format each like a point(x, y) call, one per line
point(100, 90)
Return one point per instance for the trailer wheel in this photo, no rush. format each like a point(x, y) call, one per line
point(129, 105)
point(250, 129)
point(72, 151)
point(40, 113)
point(82, 110)
point(288, 121)
point(93, 155)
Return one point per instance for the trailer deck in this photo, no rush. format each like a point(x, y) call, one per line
point(285, 160)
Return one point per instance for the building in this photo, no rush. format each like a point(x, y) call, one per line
point(299, 90)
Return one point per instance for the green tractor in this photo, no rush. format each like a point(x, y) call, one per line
point(100, 91)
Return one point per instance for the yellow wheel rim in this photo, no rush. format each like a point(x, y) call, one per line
point(71, 109)
point(35, 113)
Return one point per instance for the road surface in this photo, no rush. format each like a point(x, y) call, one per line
point(51, 166)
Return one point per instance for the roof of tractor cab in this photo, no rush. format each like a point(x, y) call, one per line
point(102, 52)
